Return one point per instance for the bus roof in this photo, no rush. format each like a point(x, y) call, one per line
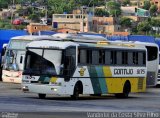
point(50, 44)
point(63, 40)
point(31, 37)
point(65, 44)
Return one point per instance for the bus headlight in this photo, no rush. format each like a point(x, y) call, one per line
point(56, 83)
point(25, 81)
point(54, 89)
point(25, 88)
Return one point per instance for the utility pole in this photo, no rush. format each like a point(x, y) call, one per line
point(46, 12)
point(12, 10)
point(137, 3)
point(82, 20)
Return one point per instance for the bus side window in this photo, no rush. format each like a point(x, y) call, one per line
point(130, 58)
point(114, 57)
point(89, 56)
point(101, 56)
point(140, 58)
point(107, 57)
point(119, 57)
point(124, 57)
point(152, 53)
point(135, 58)
point(21, 59)
point(95, 55)
point(144, 58)
point(82, 58)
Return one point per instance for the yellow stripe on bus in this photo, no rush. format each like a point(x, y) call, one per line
point(115, 85)
point(107, 71)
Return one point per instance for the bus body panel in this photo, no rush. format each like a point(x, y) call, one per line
point(12, 76)
point(99, 81)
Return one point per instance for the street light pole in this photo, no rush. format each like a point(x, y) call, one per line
point(46, 12)
point(12, 11)
point(82, 20)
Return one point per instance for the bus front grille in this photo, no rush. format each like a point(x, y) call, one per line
point(140, 83)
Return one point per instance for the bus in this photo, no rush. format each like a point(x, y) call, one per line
point(77, 66)
point(158, 79)
point(13, 60)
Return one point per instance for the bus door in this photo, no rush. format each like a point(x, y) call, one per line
point(20, 59)
point(69, 62)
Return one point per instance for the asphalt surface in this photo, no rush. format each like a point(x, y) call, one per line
point(15, 103)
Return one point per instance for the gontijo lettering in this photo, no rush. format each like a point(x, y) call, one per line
point(123, 71)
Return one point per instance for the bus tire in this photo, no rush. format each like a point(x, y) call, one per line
point(42, 96)
point(126, 91)
point(78, 89)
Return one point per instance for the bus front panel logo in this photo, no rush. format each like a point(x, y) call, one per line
point(82, 71)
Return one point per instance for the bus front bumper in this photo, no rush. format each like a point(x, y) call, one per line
point(43, 89)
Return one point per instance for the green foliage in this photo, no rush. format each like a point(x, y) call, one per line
point(5, 3)
point(126, 22)
point(126, 2)
point(147, 5)
point(21, 27)
point(8, 26)
point(34, 17)
point(90, 3)
point(2, 25)
point(61, 6)
point(144, 26)
point(101, 13)
point(5, 25)
point(153, 10)
point(114, 8)
point(155, 22)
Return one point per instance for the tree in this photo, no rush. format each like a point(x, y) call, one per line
point(144, 27)
point(34, 17)
point(90, 2)
point(126, 2)
point(4, 3)
point(125, 22)
point(60, 6)
point(114, 8)
point(156, 24)
point(153, 10)
point(101, 13)
point(147, 5)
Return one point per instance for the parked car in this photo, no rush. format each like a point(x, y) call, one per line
point(17, 22)
point(20, 21)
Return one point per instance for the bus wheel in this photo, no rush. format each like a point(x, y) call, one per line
point(126, 91)
point(77, 90)
point(42, 96)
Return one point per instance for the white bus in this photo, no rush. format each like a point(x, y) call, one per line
point(80, 66)
point(158, 79)
point(13, 61)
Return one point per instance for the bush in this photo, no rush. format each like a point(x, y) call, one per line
point(2, 25)
point(21, 27)
point(7, 26)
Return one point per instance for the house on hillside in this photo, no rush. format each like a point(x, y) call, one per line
point(135, 13)
point(77, 22)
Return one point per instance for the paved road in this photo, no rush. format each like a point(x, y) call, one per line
point(13, 100)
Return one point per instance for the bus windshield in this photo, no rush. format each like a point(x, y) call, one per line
point(18, 44)
point(43, 62)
